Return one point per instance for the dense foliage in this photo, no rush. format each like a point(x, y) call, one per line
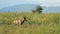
point(38, 9)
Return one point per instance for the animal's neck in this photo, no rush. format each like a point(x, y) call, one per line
point(22, 22)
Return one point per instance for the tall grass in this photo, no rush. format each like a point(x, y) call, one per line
point(36, 23)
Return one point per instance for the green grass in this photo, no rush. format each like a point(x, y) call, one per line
point(36, 23)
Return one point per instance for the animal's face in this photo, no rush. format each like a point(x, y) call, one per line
point(25, 18)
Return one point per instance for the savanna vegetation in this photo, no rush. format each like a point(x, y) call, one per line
point(38, 9)
point(36, 23)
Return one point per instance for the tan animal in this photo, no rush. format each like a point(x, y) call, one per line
point(20, 22)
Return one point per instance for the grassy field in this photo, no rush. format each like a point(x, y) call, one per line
point(36, 23)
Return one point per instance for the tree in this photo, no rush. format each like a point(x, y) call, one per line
point(33, 11)
point(38, 9)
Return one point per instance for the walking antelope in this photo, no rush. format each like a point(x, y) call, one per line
point(20, 21)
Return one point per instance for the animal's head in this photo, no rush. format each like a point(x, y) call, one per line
point(24, 18)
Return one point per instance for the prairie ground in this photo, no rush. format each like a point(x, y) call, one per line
point(36, 23)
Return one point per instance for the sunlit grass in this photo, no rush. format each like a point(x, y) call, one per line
point(36, 23)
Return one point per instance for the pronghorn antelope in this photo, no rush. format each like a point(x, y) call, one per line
point(20, 22)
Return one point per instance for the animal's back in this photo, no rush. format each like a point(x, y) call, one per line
point(17, 22)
